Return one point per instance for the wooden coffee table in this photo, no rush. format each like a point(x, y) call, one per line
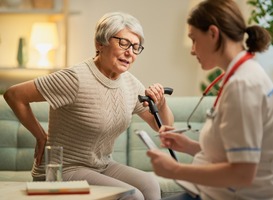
point(17, 190)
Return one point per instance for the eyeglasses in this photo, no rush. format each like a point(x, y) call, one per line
point(126, 44)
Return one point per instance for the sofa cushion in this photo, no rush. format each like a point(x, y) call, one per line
point(168, 187)
point(120, 149)
point(17, 144)
point(181, 108)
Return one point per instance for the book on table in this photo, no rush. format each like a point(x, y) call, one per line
point(62, 187)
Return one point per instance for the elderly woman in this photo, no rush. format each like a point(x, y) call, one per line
point(91, 104)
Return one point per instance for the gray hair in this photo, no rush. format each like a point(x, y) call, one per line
point(111, 23)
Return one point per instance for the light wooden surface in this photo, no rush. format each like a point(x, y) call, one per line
point(17, 190)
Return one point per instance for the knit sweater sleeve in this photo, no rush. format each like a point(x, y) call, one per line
point(139, 88)
point(59, 88)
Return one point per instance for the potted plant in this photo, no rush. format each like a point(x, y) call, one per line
point(210, 77)
point(262, 14)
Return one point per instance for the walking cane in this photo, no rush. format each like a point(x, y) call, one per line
point(154, 110)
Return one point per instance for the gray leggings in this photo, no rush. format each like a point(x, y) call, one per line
point(116, 174)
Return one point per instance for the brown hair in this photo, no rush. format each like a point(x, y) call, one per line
point(226, 15)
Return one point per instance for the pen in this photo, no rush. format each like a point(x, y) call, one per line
point(176, 131)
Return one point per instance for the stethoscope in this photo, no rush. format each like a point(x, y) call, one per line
point(211, 112)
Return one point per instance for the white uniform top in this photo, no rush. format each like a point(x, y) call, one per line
point(241, 132)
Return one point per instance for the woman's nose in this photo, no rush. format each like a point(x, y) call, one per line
point(129, 51)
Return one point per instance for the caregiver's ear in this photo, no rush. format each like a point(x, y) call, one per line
point(214, 31)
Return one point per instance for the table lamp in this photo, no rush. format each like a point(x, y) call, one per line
point(44, 37)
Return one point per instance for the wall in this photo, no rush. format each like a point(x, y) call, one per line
point(166, 58)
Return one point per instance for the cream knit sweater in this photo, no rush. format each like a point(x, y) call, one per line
point(88, 112)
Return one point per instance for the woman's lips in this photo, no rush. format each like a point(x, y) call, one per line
point(124, 61)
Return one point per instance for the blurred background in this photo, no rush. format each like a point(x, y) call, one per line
point(38, 37)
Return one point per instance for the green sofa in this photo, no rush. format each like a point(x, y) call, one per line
point(17, 144)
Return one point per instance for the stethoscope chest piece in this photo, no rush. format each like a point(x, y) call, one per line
point(211, 113)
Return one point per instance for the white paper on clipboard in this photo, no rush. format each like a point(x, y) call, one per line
point(146, 139)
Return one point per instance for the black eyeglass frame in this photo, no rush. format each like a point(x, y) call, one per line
point(136, 51)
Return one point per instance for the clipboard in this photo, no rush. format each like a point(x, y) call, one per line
point(190, 188)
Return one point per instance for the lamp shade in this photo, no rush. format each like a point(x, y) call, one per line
point(44, 35)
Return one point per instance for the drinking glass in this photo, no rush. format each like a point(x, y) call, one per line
point(54, 163)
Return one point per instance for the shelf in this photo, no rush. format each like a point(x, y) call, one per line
point(29, 11)
point(9, 73)
point(35, 7)
point(3, 69)
point(13, 75)
point(24, 17)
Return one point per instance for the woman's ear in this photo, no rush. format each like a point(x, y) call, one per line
point(98, 46)
point(214, 32)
